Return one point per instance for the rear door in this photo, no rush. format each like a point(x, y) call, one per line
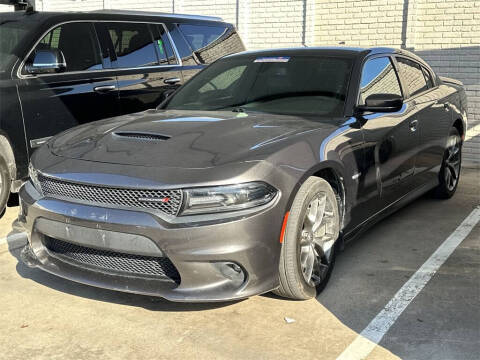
point(434, 117)
point(52, 103)
point(145, 62)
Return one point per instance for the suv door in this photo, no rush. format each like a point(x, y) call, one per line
point(82, 93)
point(145, 62)
point(434, 117)
point(391, 139)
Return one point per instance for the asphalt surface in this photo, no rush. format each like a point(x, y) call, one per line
point(44, 317)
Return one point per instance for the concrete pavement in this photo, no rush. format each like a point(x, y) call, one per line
point(45, 317)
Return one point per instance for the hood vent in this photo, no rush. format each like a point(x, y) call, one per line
point(142, 135)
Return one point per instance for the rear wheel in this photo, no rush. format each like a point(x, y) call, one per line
point(308, 249)
point(5, 183)
point(450, 171)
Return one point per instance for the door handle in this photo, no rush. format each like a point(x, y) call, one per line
point(446, 106)
point(104, 89)
point(413, 125)
point(171, 81)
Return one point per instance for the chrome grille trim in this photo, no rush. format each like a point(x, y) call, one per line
point(118, 197)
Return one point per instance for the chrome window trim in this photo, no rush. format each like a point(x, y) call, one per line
point(22, 64)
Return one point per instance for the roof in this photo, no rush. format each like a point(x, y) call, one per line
point(159, 14)
point(332, 50)
point(106, 15)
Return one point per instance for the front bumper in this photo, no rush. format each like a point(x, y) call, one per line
point(214, 260)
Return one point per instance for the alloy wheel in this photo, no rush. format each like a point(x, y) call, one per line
point(452, 163)
point(317, 239)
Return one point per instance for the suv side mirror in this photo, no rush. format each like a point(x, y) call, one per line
point(382, 103)
point(47, 62)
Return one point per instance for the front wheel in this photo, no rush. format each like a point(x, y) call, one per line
point(451, 165)
point(308, 250)
point(5, 183)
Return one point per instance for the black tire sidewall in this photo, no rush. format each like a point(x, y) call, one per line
point(6, 182)
point(442, 189)
point(294, 228)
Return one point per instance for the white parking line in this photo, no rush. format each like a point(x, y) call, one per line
point(366, 341)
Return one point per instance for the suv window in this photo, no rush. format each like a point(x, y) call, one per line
point(378, 77)
point(78, 43)
point(133, 45)
point(164, 47)
point(413, 76)
point(184, 50)
point(200, 36)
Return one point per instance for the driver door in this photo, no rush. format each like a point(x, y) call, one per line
point(391, 139)
point(84, 92)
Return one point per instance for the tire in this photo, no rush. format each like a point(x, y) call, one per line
point(5, 183)
point(449, 174)
point(305, 240)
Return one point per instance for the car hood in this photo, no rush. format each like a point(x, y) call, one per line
point(186, 139)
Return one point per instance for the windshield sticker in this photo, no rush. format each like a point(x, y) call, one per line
point(276, 59)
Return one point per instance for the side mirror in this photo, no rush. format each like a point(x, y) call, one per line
point(47, 62)
point(382, 103)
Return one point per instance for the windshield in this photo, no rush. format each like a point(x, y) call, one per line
point(12, 33)
point(290, 85)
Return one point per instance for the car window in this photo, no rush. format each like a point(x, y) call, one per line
point(78, 43)
point(200, 36)
point(224, 80)
point(290, 85)
point(413, 76)
point(133, 44)
point(165, 50)
point(428, 77)
point(184, 50)
point(378, 77)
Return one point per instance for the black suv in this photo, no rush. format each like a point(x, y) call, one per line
point(59, 70)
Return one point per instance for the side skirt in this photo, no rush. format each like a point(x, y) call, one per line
point(387, 211)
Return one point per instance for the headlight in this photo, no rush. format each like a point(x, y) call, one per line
point(33, 174)
point(227, 198)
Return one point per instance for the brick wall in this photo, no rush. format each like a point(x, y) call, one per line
point(446, 33)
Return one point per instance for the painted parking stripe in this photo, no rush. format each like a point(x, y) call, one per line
point(366, 341)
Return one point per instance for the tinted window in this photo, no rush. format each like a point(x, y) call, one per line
point(133, 44)
point(378, 77)
point(225, 80)
point(183, 48)
point(413, 76)
point(77, 42)
point(200, 36)
point(283, 85)
point(12, 34)
point(164, 48)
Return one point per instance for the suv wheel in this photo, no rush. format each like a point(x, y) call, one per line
point(308, 249)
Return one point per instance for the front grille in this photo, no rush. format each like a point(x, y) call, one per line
point(167, 201)
point(111, 261)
